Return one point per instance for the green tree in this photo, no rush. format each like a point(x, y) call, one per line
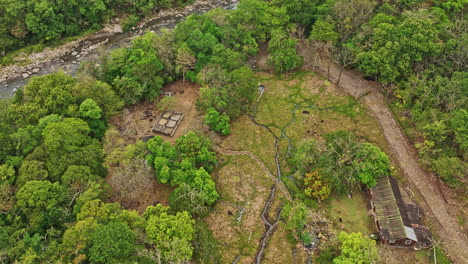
point(356, 249)
point(44, 95)
point(171, 234)
point(68, 143)
point(185, 61)
point(7, 174)
point(217, 122)
point(41, 202)
point(283, 55)
point(371, 163)
point(100, 92)
point(90, 109)
point(32, 170)
point(111, 243)
point(166, 103)
point(394, 48)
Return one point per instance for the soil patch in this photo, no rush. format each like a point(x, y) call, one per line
point(136, 122)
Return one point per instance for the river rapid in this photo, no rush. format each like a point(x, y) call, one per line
point(69, 56)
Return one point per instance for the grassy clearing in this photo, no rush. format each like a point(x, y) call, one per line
point(235, 220)
point(242, 185)
point(352, 211)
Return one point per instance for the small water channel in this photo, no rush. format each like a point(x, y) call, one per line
point(70, 61)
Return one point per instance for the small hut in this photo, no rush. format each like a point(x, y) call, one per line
point(398, 223)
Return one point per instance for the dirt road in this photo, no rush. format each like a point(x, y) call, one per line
point(454, 241)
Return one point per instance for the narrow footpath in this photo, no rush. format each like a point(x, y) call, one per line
point(369, 93)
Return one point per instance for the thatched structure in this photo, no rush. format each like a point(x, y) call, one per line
point(398, 223)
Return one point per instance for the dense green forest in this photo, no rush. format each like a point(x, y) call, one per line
point(25, 22)
point(56, 145)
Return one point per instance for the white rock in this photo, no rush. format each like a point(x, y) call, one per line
point(36, 70)
point(117, 29)
point(74, 53)
point(25, 75)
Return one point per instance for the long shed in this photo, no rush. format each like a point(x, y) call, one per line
point(398, 223)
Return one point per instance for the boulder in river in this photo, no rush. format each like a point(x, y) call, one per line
point(25, 75)
point(117, 29)
point(36, 70)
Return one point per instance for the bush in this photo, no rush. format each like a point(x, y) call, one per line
point(217, 122)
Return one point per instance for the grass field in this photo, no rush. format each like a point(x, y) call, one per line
point(295, 108)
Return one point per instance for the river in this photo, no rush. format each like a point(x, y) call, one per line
point(87, 49)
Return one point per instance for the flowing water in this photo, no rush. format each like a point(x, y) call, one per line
point(71, 60)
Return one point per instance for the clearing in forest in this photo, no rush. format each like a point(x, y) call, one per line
point(294, 109)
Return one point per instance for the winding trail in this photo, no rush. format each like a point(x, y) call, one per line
point(369, 93)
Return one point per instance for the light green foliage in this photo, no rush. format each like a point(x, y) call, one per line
point(451, 169)
point(306, 156)
point(92, 192)
point(196, 149)
point(217, 122)
point(324, 31)
point(185, 61)
point(77, 175)
point(171, 234)
point(260, 18)
point(100, 211)
point(111, 243)
point(283, 55)
point(67, 143)
point(44, 95)
point(300, 12)
point(189, 162)
point(166, 103)
point(40, 195)
point(41, 202)
point(7, 174)
point(90, 109)
point(76, 239)
point(356, 249)
point(228, 92)
point(395, 48)
point(371, 163)
point(297, 216)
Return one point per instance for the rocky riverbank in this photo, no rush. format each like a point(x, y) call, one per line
point(68, 56)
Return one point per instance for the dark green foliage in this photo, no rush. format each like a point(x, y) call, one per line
point(217, 122)
point(205, 246)
point(135, 73)
point(111, 243)
point(38, 21)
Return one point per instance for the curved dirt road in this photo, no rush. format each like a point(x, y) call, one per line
point(454, 241)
